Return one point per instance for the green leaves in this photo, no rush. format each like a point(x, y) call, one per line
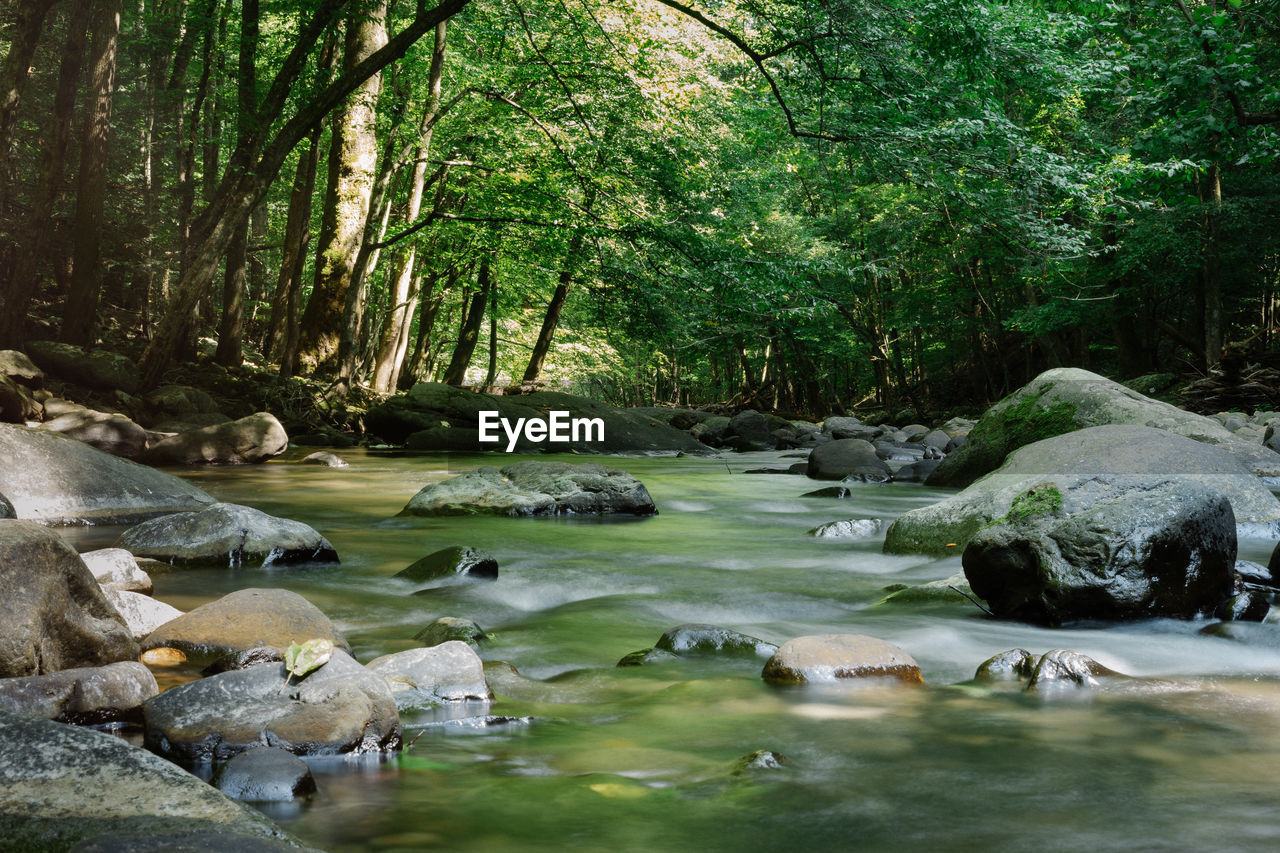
point(301, 658)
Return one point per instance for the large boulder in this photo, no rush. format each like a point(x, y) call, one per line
point(19, 367)
point(250, 440)
point(432, 405)
point(847, 458)
point(449, 672)
point(1111, 451)
point(110, 433)
point(61, 784)
point(1107, 548)
point(830, 658)
point(57, 480)
point(337, 709)
point(246, 619)
point(53, 614)
point(535, 488)
point(100, 369)
point(227, 535)
point(85, 695)
point(1065, 399)
point(178, 404)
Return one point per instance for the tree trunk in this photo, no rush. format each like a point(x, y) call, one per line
point(1211, 275)
point(415, 367)
point(352, 161)
point(22, 284)
point(230, 352)
point(456, 372)
point(91, 184)
point(27, 27)
point(492, 372)
point(297, 233)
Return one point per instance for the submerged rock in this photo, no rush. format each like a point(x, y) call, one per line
point(448, 628)
point(449, 672)
point(762, 759)
point(54, 479)
point(339, 708)
point(227, 535)
point(830, 658)
point(950, 590)
point(451, 561)
point(265, 774)
point(852, 528)
point(53, 614)
point(61, 784)
point(1104, 550)
point(85, 695)
point(250, 440)
point(535, 488)
point(325, 459)
point(848, 459)
point(646, 656)
point(694, 639)
point(246, 619)
point(1013, 665)
point(1062, 668)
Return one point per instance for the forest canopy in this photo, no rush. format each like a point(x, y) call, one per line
point(793, 205)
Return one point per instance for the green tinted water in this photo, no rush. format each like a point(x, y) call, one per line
point(644, 758)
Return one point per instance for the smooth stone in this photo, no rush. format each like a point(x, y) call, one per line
point(246, 619)
point(451, 561)
point(188, 841)
point(535, 488)
point(831, 658)
point(110, 433)
point(449, 672)
point(693, 639)
point(18, 366)
point(448, 628)
point(117, 568)
point(84, 695)
point(950, 590)
point(852, 528)
point(244, 660)
point(265, 774)
point(916, 472)
point(246, 441)
point(337, 709)
point(142, 613)
point(1013, 665)
point(845, 459)
point(646, 656)
point(53, 614)
point(162, 657)
point(228, 535)
point(1061, 668)
point(328, 460)
point(55, 479)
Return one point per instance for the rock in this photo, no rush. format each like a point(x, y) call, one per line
point(847, 458)
point(1065, 399)
point(762, 759)
point(1060, 669)
point(828, 658)
point(265, 774)
point(323, 439)
point(448, 562)
point(712, 431)
point(243, 660)
point(1129, 452)
point(446, 438)
point(100, 369)
point(162, 657)
point(646, 656)
point(227, 535)
point(1251, 605)
point(712, 640)
point(187, 841)
point(6, 508)
point(935, 438)
point(84, 695)
point(53, 614)
point(750, 430)
point(20, 368)
point(449, 628)
point(535, 488)
point(328, 460)
point(114, 434)
point(451, 671)
point(1107, 548)
point(852, 528)
point(61, 784)
point(177, 403)
point(337, 709)
point(17, 404)
point(1013, 665)
point(916, 472)
point(246, 619)
point(249, 440)
point(1265, 636)
point(58, 480)
point(427, 405)
point(142, 613)
point(951, 590)
point(116, 568)
point(897, 451)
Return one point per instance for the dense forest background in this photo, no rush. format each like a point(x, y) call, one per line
point(797, 205)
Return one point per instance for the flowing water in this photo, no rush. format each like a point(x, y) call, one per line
point(644, 758)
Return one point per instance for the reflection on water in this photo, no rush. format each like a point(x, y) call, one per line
point(645, 758)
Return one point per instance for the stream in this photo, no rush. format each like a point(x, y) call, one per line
point(643, 758)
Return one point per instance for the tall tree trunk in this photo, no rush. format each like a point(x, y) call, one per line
point(352, 161)
point(395, 332)
point(456, 372)
point(297, 233)
point(230, 352)
point(22, 284)
point(492, 373)
point(91, 184)
point(27, 27)
point(415, 366)
point(1211, 274)
point(551, 319)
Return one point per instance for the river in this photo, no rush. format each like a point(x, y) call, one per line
point(643, 758)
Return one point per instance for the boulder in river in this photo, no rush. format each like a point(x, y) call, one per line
point(1061, 668)
point(849, 528)
point(84, 695)
point(116, 568)
point(57, 480)
point(847, 459)
point(831, 658)
point(450, 562)
point(227, 535)
point(110, 433)
point(448, 628)
point(1066, 399)
point(535, 488)
point(1131, 453)
point(336, 709)
point(1107, 548)
point(61, 784)
point(142, 613)
point(53, 614)
point(449, 672)
point(694, 639)
point(265, 774)
point(1013, 665)
point(250, 440)
point(325, 459)
point(246, 619)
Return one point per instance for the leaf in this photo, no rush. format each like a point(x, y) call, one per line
point(302, 658)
